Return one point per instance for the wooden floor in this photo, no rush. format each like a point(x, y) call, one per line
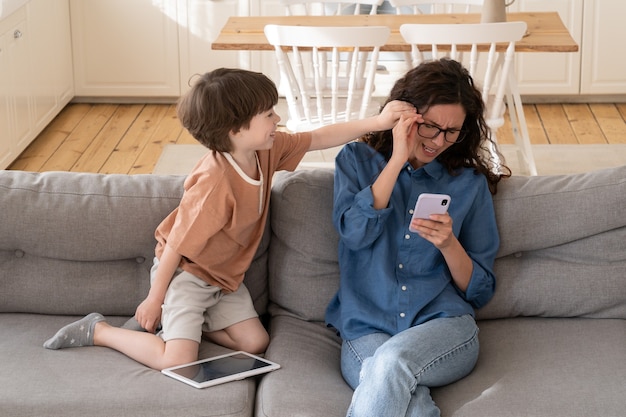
point(128, 138)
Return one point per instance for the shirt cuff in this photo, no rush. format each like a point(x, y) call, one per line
point(365, 202)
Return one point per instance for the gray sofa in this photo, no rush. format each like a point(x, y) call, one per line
point(553, 339)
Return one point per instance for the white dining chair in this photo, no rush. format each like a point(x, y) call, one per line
point(433, 7)
point(495, 75)
point(329, 7)
point(323, 86)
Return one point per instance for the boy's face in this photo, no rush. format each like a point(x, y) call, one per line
point(260, 135)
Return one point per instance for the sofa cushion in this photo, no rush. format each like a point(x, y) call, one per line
point(543, 367)
point(541, 212)
point(303, 268)
point(73, 243)
point(562, 246)
point(526, 367)
point(309, 382)
point(97, 381)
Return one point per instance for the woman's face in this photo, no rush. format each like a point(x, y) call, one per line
point(447, 117)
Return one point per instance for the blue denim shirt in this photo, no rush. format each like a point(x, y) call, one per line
point(391, 278)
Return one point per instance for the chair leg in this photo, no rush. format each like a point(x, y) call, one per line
point(408, 59)
point(520, 129)
point(497, 162)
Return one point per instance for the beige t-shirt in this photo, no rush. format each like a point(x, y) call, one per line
point(220, 220)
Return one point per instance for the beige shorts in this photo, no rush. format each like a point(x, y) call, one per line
point(192, 306)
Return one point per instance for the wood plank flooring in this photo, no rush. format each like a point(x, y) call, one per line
point(129, 138)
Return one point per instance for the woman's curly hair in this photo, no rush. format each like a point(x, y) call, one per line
point(446, 81)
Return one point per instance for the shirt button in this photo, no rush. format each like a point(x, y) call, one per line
point(404, 288)
point(402, 315)
point(411, 211)
point(407, 237)
point(400, 266)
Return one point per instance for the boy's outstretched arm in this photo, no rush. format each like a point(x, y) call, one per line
point(340, 133)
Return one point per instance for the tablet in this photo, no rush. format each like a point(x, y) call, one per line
point(220, 369)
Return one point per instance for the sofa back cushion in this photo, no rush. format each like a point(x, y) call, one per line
point(72, 243)
point(562, 246)
point(303, 267)
point(562, 251)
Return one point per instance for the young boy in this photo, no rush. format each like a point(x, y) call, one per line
point(205, 246)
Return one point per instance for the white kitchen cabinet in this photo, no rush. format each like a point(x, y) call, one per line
point(603, 69)
point(15, 76)
point(52, 80)
point(558, 73)
point(598, 68)
point(149, 48)
point(200, 22)
point(5, 105)
point(35, 72)
point(125, 48)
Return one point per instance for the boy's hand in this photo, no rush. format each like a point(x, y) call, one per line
point(148, 314)
point(392, 112)
point(404, 136)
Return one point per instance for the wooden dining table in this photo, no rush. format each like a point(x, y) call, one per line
point(546, 31)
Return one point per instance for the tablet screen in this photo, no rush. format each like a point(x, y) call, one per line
point(220, 369)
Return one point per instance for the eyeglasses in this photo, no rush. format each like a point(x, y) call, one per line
point(429, 131)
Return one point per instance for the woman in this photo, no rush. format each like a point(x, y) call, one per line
point(405, 304)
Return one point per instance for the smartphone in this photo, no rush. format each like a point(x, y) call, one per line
point(428, 204)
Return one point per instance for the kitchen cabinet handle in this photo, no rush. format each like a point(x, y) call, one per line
point(17, 34)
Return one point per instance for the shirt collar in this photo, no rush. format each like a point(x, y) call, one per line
point(433, 169)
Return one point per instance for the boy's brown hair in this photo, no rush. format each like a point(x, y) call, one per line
point(222, 101)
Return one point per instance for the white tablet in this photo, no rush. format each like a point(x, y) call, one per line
point(220, 369)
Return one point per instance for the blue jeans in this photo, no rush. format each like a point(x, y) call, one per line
point(391, 375)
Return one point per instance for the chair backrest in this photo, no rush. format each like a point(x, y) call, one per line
point(436, 6)
point(326, 69)
point(450, 39)
point(329, 7)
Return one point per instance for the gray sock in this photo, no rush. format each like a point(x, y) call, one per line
point(79, 333)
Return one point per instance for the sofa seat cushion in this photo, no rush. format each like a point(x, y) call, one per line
point(96, 381)
point(543, 367)
point(570, 367)
point(309, 382)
